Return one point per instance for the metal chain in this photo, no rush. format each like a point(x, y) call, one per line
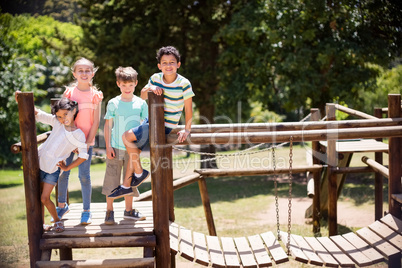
point(276, 194)
point(290, 193)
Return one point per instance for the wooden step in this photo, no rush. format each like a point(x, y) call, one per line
point(98, 242)
point(107, 263)
point(397, 198)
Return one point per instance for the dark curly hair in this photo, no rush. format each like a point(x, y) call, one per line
point(65, 104)
point(169, 50)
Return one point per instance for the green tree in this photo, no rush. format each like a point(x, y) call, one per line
point(27, 64)
point(130, 32)
point(309, 52)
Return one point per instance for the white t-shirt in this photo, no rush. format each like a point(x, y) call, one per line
point(59, 144)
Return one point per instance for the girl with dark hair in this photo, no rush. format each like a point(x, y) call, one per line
point(64, 138)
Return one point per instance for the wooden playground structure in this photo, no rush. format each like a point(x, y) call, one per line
point(161, 238)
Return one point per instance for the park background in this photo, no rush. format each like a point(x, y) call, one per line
point(248, 61)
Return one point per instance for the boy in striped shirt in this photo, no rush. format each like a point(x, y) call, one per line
point(178, 93)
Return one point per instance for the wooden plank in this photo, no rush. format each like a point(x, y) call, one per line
point(260, 253)
point(200, 249)
point(387, 233)
point(307, 250)
point(73, 233)
point(215, 252)
point(397, 198)
point(186, 244)
point(366, 145)
point(110, 263)
point(376, 241)
point(98, 242)
point(174, 237)
point(295, 250)
point(326, 257)
point(365, 248)
point(337, 253)
point(351, 251)
point(274, 248)
point(229, 252)
point(245, 252)
point(393, 222)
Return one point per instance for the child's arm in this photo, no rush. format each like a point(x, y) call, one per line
point(74, 164)
point(188, 110)
point(107, 130)
point(154, 89)
point(95, 125)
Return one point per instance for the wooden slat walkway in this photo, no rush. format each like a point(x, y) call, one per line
point(370, 245)
point(125, 233)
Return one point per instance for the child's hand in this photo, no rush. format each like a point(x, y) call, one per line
point(183, 134)
point(156, 90)
point(75, 151)
point(110, 153)
point(62, 166)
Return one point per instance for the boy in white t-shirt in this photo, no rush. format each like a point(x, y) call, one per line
point(124, 112)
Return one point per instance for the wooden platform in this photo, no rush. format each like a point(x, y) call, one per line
point(358, 146)
point(125, 233)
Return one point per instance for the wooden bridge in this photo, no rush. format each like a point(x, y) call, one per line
point(162, 238)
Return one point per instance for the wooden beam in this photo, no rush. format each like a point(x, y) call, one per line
point(394, 157)
point(354, 112)
point(159, 184)
point(378, 178)
point(376, 166)
point(298, 136)
point(315, 149)
point(288, 126)
point(332, 161)
point(30, 162)
point(253, 172)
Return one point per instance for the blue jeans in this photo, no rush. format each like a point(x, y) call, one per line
point(85, 179)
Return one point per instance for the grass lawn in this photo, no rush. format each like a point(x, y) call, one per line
point(237, 203)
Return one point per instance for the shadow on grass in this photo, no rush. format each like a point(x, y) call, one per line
point(9, 185)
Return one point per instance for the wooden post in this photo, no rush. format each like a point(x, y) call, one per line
point(30, 162)
point(160, 196)
point(332, 184)
point(315, 146)
point(378, 179)
point(395, 159)
point(202, 184)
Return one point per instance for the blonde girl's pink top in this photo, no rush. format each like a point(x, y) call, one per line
point(87, 103)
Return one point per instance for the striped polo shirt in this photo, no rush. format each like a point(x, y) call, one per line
point(175, 94)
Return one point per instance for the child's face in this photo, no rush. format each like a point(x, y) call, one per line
point(83, 73)
point(65, 117)
point(168, 65)
point(126, 88)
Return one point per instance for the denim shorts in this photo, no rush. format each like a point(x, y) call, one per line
point(50, 178)
point(142, 134)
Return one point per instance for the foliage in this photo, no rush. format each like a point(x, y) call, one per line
point(28, 65)
point(389, 82)
point(308, 52)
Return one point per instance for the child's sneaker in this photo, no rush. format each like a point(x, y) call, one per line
point(61, 212)
point(120, 192)
point(134, 215)
point(109, 219)
point(86, 218)
point(135, 182)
